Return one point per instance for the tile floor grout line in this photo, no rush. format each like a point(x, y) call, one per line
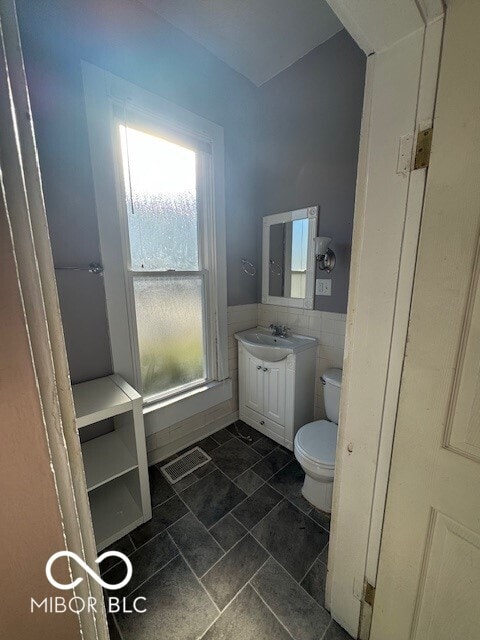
point(281, 494)
point(154, 573)
point(273, 474)
point(178, 520)
point(202, 525)
point(135, 548)
point(179, 491)
point(160, 504)
point(226, 552)
point(254, 473)
point(230, 602)
point(185, 504)
point(317, 523)
point(292, 503)
point(131, 541)
point(299, 583)
point(259, 569)
point(221, 613)
point(219, 444)
point(267, 481)
point(262, 457)
point(328, 627)
point(261, 519)
point(265, 548)
point(207, 530)
point(166, 530)
point(272, 612)
point(194, 574)
point(229, 513)
point(232, 480)
point(117, 626)
point(245, 470)
point(249, 496)
point(310, 567)
point(280, 564)
point(278, 470)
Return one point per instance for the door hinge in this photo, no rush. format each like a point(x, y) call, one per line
point(422, 151)
point(369, 595)
point(366, 611)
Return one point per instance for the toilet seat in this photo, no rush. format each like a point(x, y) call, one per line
point(317, 443)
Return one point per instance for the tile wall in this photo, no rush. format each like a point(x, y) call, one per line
point(327, 327)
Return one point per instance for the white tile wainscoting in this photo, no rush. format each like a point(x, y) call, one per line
point(328, 328)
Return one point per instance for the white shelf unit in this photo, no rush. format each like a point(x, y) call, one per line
point(115, 463)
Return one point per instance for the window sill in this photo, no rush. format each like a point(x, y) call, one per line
point(162, 414)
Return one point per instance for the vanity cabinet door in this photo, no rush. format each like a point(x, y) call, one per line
point(253, 383)
point(274, 390)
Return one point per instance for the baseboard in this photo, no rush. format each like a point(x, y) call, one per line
point(167, 450)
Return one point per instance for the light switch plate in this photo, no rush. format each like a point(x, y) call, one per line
point(323, 287)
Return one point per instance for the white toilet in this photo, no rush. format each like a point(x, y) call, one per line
point(315, 445)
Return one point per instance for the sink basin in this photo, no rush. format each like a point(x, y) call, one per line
point(261, 344)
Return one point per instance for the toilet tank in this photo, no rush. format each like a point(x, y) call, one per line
point(332, 386)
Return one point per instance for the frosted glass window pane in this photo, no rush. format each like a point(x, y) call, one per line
point(160, 188)
point(170, 331)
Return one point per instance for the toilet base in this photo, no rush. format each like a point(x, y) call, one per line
point(318, 493)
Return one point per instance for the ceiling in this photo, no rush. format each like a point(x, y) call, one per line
point(257, 38)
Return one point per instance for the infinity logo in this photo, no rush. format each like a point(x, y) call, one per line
point(72, 585)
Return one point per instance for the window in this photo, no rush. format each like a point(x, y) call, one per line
point(159, 188)
point(160, 181)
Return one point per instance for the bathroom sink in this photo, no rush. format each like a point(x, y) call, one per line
point(262, 344)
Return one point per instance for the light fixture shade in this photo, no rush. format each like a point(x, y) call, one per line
point(321, 245)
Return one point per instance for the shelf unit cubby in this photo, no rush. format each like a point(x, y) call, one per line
point(115, 462)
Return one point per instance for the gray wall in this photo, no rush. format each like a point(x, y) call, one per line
point(289, 144)
point(308, 136)
point(130, 41)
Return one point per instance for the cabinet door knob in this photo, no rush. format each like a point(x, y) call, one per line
point(265, 369)
point(259, 367)
point(262, 421)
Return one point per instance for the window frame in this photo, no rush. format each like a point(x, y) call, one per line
point(155, 126)
point(110, 101)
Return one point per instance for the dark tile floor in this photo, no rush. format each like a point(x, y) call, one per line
point(233, 551)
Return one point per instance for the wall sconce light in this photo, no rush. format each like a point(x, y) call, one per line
point(325, 256)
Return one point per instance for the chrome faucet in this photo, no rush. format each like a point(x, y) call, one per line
point(279, 330)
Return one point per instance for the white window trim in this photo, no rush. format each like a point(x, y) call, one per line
point(104, 92)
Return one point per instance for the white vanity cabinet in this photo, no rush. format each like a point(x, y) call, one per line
point(265, 387)
point(277, 398)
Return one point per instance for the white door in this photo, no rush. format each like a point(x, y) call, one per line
point(274, 380)
point(428, 585)
point(253, 382)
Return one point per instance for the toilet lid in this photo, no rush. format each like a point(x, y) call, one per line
point(318, 441)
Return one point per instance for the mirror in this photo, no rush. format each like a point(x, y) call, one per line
point(288, 261)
